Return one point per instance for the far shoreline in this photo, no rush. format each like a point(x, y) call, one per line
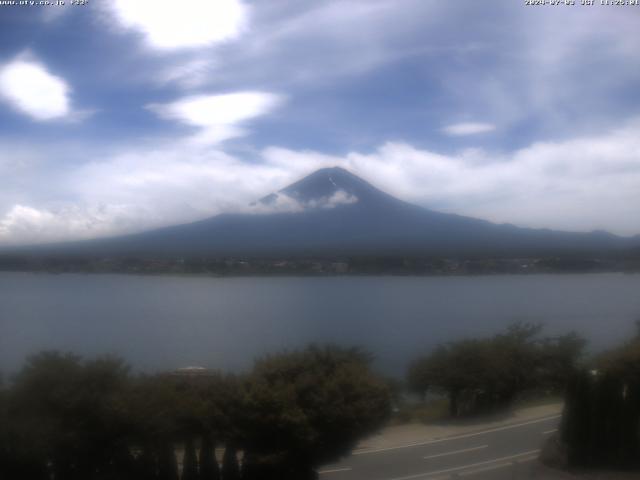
point(314, 275)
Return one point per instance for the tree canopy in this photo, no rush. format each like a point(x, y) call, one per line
point(66, 418)
point(480, 375)
point(601, 421)
point(311, 406)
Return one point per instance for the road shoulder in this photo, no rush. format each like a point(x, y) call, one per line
point(411, 434)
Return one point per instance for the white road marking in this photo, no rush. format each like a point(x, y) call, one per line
point(550, 431)
point(496, 466)
point(457, 437)
point(334, 470)
point(464, 467)
point(476, 471)
point(455, 452)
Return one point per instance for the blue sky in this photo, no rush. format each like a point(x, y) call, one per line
point(123, 115)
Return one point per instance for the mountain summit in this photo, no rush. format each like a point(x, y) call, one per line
point(334, 212)
point(328, 182)
point(329, 187)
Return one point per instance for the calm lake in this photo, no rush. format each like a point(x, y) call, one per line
point(163, 322)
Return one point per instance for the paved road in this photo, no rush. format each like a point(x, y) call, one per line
point(506, 452)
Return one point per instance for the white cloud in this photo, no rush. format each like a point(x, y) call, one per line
point(558, 51)
point(218, 117)
point(278, 203)
point(29, 225)
point(297, 44)
point(281, 203)
point(170, 24)
point(144, 188)
point(462, 129)
point(187, 74)
point(340, 197)
point(50, 15)
point(581, 184)
point(29, 88)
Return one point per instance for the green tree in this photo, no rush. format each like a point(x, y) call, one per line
point(576, 419)
point(209, 468)
point(190, 461)
point(481, 375)
point(601, 420)
point(230, 466)
point(70, 414)
point(560, 358)
point(462, 370)
point(155, 408)
point(170, 410)
point(309, 407)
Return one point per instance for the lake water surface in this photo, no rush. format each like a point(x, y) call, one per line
point(160, 322)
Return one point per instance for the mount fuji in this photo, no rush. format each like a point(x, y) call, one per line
point(334, 212)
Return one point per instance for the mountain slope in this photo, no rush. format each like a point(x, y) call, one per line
point(333, 212)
